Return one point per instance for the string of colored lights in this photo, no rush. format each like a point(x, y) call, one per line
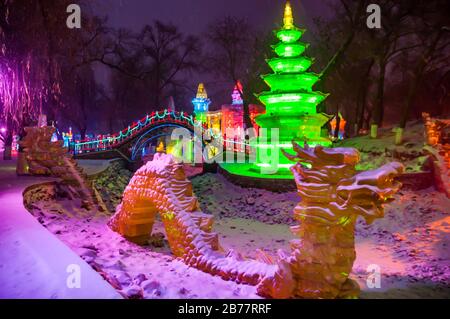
point(155, 118)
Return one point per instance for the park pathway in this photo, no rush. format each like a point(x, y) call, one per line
point(33, 262)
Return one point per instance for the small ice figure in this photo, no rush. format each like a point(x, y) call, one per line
point(54, 137)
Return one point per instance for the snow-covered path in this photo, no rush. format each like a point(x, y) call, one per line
point(33, 262)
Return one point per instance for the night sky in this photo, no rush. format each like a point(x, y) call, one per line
point(193, 17)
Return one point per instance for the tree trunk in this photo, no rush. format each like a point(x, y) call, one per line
point(360, 120)
point(110, 123)
point(359, 107)
point(22, 164)
point(330, 67)
point(409, 98)
point(246, 115)
point(378, 113)
point(366, 122)
point(363, 99)
point(8, 146)
point(51, 106)
point(156, 100)
point(337, 57)
point(420, 68)
point(83, 134)
point(246, 120)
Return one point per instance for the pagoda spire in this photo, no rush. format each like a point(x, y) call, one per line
point(201, 92)
point(288, 19)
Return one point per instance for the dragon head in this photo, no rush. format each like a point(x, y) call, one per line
point(367, 192)
point(333, 191)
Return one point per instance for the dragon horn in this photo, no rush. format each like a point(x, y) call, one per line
point(297, 148)
point(289, 156)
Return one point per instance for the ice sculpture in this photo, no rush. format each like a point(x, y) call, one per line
point(437, 134)
point(161, 186)
point(333, 196)
point(41, 156)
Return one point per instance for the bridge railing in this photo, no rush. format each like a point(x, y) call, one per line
point(109, 142)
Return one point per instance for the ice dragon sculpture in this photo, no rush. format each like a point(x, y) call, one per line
point(41, 156)
point(161, 186)
point(333, 196)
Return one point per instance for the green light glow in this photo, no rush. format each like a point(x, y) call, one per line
point(291, 81)
point(262, 145)
point(278, 165)
point(291, 103)
point(289, 49)
point(249, 170)
point(200, 117)
point(289, 36)
point(290, 65)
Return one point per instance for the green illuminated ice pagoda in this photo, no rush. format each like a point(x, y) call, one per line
point(291, 104)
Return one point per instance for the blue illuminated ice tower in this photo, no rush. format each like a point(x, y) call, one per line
point(201, 104)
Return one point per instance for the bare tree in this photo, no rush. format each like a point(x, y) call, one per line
point(37, 47)
point(434, 52)
point(21, 69)
point(80, 97)
point(404, 45)
point(168, 53)
point(353, 18)
point(157, 56)
point(238, 53)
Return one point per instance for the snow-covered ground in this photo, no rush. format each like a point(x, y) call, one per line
point(382, 150)
point(33, 262)
point(92, 167)
point(410, 244)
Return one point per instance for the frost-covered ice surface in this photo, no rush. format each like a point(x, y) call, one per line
point(410, 244)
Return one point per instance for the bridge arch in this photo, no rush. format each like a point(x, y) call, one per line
point(154, 133)
point(127, 142)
